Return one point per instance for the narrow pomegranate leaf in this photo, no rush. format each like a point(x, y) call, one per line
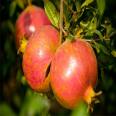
point(6, 110)
point(99, 47)
point(86, 3)
point(113, 53)
point(101, 6)
point(10, 26)
point(99, 34)
point(35, 103)
point(78, 5)
point(12, 8)
point(52, 13)
point(20, 3)
point(93, 24)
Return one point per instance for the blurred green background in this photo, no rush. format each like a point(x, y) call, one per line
point(17, 99)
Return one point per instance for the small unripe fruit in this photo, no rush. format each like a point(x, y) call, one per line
point(28, 22)
point(74, 73)
point(38, 56)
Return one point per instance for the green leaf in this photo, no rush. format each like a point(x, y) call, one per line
point(12, 8)
point(93, 24)
point(104, 49)
point(67, 17)
point(20, 3)
point(35, 104)
point(80, 110)
point(11, 26)
point(52, 13)
point(99, 34)
point(100, 47)
point(20, 77)
point(84, 24)
point(86, 3)
point(101, 6)
point(113, 53)
point(78, 6)
point(5, 110)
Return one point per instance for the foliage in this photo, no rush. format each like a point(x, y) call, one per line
point(80, 110)
point(93, 20)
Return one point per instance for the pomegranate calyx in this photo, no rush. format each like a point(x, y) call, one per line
point(90, 97)
point(22, 45)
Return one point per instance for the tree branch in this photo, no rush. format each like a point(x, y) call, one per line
point(61, 19)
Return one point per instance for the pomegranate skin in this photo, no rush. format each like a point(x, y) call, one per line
point(30, 21)
point(73, 70)
point(37, 57)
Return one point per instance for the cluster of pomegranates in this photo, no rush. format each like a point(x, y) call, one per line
point(69, 68)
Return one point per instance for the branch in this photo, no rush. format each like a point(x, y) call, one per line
point(61, 19)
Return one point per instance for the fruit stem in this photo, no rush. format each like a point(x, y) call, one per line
point(61, 19)
point(29, 2)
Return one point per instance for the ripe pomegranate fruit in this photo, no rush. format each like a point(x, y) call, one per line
point(37, 57)
point(73, 73)
point(28, 22)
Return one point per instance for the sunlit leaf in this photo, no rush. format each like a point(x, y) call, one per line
point(81, 110)
point(99, 34)
point(84, 24)
point(86, 3)
point(93, 24)
point(52, 13)
point(35, 104)
point(101, 6)
point(20, 3)
point(113, 53)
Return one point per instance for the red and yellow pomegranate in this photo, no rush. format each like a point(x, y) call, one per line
point(28, 22)
point(73, 73)
point(38, 56)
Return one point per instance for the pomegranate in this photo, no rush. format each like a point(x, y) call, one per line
point(37, 57)
point(73, 73)
point(28, 22)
